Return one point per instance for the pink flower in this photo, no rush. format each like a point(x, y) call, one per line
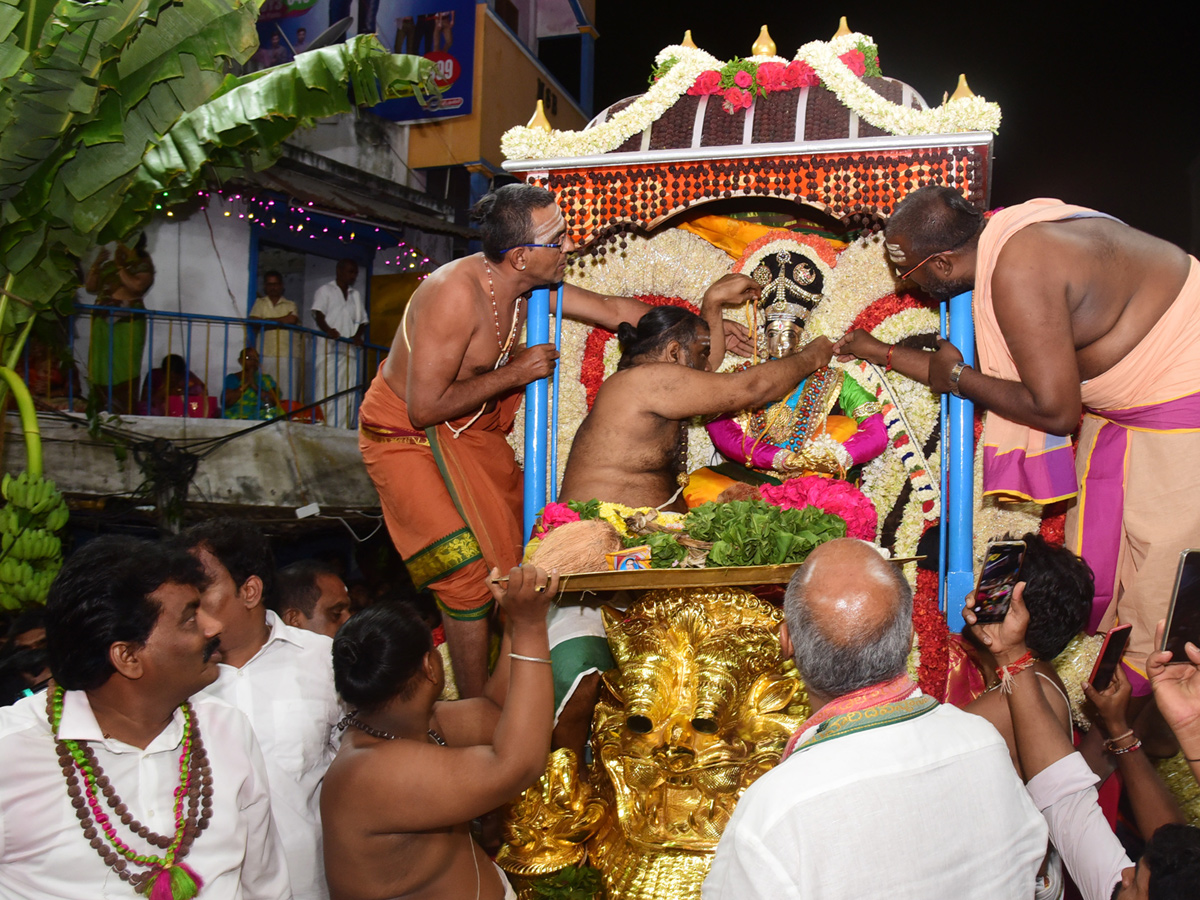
point(742, 78)
point(840, 498)
point(770, 76)
point(855, 60)
point(708, 82)
point(799, 74)
point(556, 514)
point(735, 99)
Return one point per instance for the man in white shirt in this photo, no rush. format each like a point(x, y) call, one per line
point(177, 789)
point(884, 792)
point(338, 310)
point(282, 679)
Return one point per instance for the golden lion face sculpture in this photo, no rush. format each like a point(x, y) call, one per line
point(700, 705)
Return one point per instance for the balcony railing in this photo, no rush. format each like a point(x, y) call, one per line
point(127, 361)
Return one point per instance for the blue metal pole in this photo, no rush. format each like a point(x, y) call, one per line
point(537, 331)
point(553, 486)
point(958, 509)
point(944, 529)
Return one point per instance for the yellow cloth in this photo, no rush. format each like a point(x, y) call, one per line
point(734, 235)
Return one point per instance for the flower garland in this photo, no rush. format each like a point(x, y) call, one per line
point(932, 632)
point(963, 114)
point(524, 142)
point(839, 64)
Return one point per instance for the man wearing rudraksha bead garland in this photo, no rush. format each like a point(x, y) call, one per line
point(114, 783)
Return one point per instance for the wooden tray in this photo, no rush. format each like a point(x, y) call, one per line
point(653, 579)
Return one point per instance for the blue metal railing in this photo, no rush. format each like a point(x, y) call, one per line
point(120, 358)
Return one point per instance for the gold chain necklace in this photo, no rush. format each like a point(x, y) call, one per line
point(505, 345)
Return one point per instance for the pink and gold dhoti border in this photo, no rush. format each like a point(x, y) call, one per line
point(1134, 471)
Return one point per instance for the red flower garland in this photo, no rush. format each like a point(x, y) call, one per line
point(884, 308)
point(933, 633)
point(591, 372)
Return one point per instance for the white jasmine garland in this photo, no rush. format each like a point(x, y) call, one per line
point(964, 114)
point(523, 142)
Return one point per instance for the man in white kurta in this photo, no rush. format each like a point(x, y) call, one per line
point(338, 310)
point(282, 679)
point(884, 792)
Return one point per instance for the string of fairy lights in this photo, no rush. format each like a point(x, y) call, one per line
point(302, 218)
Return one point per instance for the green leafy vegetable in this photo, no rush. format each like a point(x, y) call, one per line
point(755, 533)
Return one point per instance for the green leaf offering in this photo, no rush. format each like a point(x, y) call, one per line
point(755, 533)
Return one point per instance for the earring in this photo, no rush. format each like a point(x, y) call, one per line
point(521, 268)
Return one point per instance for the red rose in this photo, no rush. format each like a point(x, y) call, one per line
point(770, 76)
point(708, 82)
point(799, 74)
point(742, 78)
point(855, 61)
point(735, 99)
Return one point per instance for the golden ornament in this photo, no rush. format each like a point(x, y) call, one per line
point(843, 29)
point(539, 119)
point(963, 91)
point(763, 46)
point(687, 40)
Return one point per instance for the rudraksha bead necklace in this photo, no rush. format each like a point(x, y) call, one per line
point(86, 782)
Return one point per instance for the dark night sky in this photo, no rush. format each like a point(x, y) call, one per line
point(1100, 106)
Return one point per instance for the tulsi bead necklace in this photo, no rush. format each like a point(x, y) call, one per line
point(166, 877)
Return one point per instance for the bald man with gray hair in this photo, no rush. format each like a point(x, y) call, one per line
point(883, 789)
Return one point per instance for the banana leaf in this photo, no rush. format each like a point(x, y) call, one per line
point(106, 103)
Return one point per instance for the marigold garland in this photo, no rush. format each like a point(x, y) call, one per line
point(932, 632)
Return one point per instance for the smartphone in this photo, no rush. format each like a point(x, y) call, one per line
point(1111, 652)
point(1183, 616)
point(997, 579)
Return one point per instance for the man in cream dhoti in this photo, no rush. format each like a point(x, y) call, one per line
point(1075, 313)
point(338, 310)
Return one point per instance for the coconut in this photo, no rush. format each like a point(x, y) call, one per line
point(578, 547)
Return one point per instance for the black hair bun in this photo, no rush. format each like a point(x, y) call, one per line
point(626, 333)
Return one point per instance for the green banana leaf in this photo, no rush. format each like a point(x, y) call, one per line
point(106, 104)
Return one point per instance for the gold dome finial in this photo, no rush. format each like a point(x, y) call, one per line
point(539, 119)
point(843, 28)
point(764, 46)
point(687, 40)
point(963, 91)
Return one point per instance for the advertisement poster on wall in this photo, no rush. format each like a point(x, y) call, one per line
point(440, 30)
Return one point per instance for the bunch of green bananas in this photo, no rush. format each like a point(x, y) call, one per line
point(30, 551)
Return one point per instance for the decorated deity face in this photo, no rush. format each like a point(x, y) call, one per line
point(792, 276)
point(783, 337)
point(699, 707)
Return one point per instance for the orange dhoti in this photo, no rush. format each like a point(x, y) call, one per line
point(451, 498)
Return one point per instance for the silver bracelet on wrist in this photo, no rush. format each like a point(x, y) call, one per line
point(955, 374)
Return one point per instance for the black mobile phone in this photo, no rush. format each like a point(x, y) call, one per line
point(1111, 652)
point(1183, 616)
point(999, 576)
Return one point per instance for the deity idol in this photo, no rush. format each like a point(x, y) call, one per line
point(800, 434)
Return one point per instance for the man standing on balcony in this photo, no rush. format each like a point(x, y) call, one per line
point(281, 350)
point(433, 422)
point(338, 311)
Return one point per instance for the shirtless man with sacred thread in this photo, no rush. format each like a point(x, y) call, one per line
point(433, 422)
point(1075, 312)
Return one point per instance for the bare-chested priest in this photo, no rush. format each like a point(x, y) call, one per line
point(432, 425)
point(631, 448)
point(413, 771)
